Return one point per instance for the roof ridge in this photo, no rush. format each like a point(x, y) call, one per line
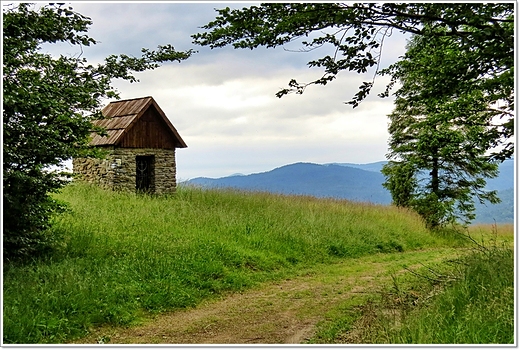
point(132, 99)
point(119, 116)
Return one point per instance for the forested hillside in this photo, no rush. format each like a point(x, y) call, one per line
point(356, 182)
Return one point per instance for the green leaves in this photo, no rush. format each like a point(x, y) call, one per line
point(401, 182)
point(49, 105)
point(355, 32)
point(440, 134)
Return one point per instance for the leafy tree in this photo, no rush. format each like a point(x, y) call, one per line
point(400, 181)
point(356, 33)
point(439, 133)
point(49, 104)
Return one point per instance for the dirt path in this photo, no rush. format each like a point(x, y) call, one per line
point(283, 312)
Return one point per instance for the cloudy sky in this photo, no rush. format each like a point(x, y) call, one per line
point(223, 101)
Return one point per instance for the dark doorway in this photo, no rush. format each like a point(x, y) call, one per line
point(144, 179)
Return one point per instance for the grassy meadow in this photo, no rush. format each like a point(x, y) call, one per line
point(475, 307)
point(464, 300)
point(125, 256)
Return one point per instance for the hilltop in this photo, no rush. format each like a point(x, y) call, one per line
point(126, 258)
point(123, 254)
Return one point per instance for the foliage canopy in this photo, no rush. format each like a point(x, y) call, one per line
point(356, 33)
point(49, 104)
point(439, 134)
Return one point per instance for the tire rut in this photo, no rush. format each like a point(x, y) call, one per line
point(282, 312)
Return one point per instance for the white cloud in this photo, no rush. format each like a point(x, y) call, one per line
point(239, 125)
point(223, 101)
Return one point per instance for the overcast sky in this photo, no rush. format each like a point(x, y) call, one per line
point(223, 103)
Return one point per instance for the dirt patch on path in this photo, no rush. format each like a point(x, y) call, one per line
point(283, 312)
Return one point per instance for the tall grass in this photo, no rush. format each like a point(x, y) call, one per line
point(478, 308)
point(469, 300)
point(126, 255)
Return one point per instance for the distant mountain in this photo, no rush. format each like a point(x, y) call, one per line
point(310, 179)
point(356, 182)
point(506, 177)
point(377, 166)
point(504, 181)
point(500, 213)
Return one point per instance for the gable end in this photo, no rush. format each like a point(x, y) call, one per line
point(149, 131)
point(137, 123)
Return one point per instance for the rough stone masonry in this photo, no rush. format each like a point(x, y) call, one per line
point(117, 170)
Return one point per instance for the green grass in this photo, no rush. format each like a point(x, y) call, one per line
point(477, 308)
point(469, 300)
point(124, 256)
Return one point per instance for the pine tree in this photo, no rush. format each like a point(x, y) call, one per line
point(440, 134)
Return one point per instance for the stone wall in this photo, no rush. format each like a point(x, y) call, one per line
point(117, 170)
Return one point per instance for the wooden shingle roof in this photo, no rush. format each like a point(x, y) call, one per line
point(120, 116)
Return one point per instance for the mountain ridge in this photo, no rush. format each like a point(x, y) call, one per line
point(351, 181)
point(319, 180)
